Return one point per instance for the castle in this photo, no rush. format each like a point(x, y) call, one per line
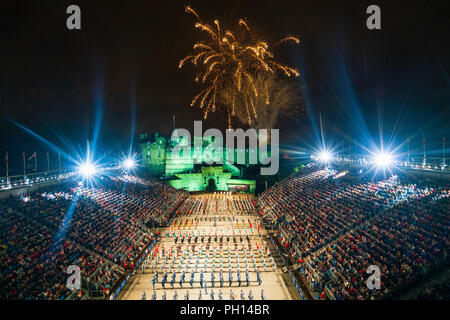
point(188, 171)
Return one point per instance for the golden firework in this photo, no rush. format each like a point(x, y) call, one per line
point(232, 59)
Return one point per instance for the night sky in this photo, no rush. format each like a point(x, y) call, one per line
point(126, 58)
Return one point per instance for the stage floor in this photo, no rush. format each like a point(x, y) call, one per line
point(237, 243)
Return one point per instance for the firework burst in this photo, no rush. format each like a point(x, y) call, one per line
point(232, 59)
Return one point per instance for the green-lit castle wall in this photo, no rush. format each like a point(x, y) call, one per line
point(180, 170)
point(153, 154)
point(223, 181)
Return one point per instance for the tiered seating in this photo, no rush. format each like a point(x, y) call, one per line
point(99, 229)
point(336, 223)
point(405, 241)
point(134, 198)
point(313, 209)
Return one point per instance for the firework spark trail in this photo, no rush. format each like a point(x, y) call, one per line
point(232, 59)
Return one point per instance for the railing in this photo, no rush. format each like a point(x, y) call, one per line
point(29, 180)
point(278, 251)
point(296, 285)
point(299, 253)
point(433, 164)
point(329, 293)
point(289, 271)
point(32, 179)
point(121, 283)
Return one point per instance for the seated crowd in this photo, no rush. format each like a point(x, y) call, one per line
point(336, 223)
point(100, 229)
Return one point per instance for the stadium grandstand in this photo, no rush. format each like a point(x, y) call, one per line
point(312, 235)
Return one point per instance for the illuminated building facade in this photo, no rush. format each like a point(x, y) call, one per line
point(189, 171)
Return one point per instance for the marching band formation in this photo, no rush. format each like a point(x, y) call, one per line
point(213, 245)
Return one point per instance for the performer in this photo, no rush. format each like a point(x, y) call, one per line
point(164, 280)
point(242, 295)
point(192, 279)
point(172, 282)
point(230, 277)
point(250, 295)
point(182, 279)
point(247, 278)
point(262, 295)
point(201, 279)
point(154, 295)
point(258, 276)
point(144, 296)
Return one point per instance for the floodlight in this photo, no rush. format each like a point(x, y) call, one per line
point(87, 169)
point(382, 159)
point(324, 156)
point(129, 163)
